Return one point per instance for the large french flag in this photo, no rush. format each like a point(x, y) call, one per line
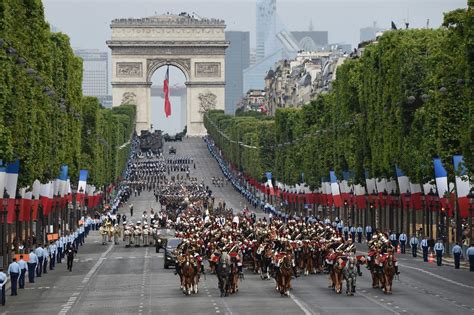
point(345, 187)
point(62, 180)
point(371, 188)
point(336, 194)
point(36, 198)
point(441, 182)
point(83, 174)
point(370, 184)
point(3, 176)
point(416, 193)
point(46, 202)
point(166, 92)
point(11, 182)
point(403, 182)
point(25, 204)
point(381, 185)
point(69, 190)
point(359, 192)
point(269, 183)
point(462, 185)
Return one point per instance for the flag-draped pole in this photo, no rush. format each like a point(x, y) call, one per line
point(166, 92)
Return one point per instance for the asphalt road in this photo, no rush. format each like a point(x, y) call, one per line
point(112, 279)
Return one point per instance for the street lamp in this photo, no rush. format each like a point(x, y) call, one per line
point(17, 218)
point(4, 228)
point(471, 212)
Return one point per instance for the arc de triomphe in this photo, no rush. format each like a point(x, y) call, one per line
point(196, 46)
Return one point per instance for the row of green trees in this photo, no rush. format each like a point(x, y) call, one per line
point(407, 99)
point(44, 119)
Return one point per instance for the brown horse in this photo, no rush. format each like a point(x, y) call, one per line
point(255, 260)
point(388, 273)
point(336, 274)
point(189, 274)
point(284, 274)
point(308, 259)
point(234, 276)
point(376, 271)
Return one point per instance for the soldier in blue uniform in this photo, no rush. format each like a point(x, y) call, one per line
point(414, 245)
point(424, 247)
point(457, 252)
point(439, 250)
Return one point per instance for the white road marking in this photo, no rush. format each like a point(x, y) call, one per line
point(439, 277)
point(97, 264)
point(378, 303)
point(301, 305)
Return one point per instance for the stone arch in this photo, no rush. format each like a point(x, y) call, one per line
point(195, 46)
point(182, 64)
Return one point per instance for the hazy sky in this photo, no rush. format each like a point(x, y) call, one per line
point(87, 21)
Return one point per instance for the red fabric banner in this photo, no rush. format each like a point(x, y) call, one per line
point(166, 93)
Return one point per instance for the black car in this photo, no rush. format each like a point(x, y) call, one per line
point(172, 150)
point(161, 238)
point(170, 254)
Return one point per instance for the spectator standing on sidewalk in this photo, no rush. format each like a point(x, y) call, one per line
point(470, 256)
point(403, 241)
point(414, 245)
point(439, 250)
point(424, 247)
point(3, 282)
point(457, 253)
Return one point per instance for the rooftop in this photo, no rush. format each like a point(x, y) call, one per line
point(182, 19)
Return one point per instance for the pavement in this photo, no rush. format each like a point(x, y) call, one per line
point(112, 279)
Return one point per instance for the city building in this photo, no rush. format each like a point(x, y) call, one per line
point(237, 58)
point(369, 33)
point(311, 40)
point(295, 82)
point(95, 79)
point(266, 25)
point(254, 100)
point(254, 75)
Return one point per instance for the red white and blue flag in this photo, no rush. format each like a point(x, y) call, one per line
point(462, 185)
point(11, 182)
point(82, 186)
point(336, 195)
point(166, 92)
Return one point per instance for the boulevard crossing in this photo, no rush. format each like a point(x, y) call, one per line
point(112, 279)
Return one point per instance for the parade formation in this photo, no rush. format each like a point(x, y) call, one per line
point(226, 242)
